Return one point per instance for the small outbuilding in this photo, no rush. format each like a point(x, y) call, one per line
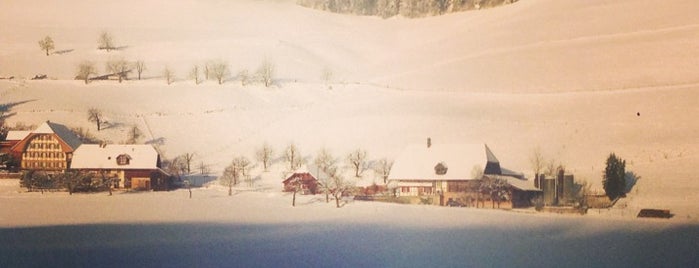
point(303, 178)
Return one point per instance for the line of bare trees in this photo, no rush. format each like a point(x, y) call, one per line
point(217, 70)
point(214, 70)
point(406, 8)
point(330, 175)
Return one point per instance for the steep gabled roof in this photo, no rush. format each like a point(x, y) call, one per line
point(69, 141)
point(94, 156)
point(61, 131)
point(419, 162)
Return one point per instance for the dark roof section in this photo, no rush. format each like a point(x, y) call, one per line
point(65, 134)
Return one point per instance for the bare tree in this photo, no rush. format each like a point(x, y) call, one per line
point(105, 41)
point(536, 161)
point(232, 173)
point(264, 155)
point(229, 178)
point(496, 188)
point(95, 115)
point(119, 67)
point(244, 77)
point(46, 44)
point(358, 161)
point(339, 185)
point(552, 167)
point(242, 165)
point(169, 75)
point(140, 66)
point(325, 162)
point(266, 72)
point(174, 166)
point(203, 169)
point(187, 162)
point(293, 156)
point(133, 135)
point(296, 184)
point(219, 70)
point(85, 70)
point(194, 74)
point(383, 169)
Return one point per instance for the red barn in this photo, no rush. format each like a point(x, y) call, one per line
point(306, 180)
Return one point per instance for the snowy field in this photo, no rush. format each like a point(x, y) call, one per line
point(261, 229)
point(578, 79)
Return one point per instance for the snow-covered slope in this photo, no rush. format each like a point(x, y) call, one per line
point(533, 45)
point(570, 77)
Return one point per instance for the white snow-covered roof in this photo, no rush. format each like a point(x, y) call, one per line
point(526, 185)
point(94, 156)
point(418, 162)
point(17, 135)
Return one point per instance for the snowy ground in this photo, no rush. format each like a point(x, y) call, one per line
point(578, 79)
point(261, 229)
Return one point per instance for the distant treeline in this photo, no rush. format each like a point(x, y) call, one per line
point(406, 8)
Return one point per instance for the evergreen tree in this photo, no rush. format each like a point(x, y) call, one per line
point(614, 182)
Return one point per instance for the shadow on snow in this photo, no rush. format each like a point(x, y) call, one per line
point(340, 244)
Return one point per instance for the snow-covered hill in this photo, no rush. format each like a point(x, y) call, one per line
point(570, 77)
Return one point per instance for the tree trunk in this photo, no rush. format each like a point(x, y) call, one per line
point(293, 201)
point(337, 201)
point(47, 52)
point(230, 189)
point(327, 196)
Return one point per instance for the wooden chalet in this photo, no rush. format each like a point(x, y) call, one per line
point(135, 166)
point(447, 173)
point(48, 148)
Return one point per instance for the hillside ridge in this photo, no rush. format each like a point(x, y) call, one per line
point(405, 8)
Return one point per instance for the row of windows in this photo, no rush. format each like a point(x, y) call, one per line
point(43, 164)
point(44, 138)
point(59, 155)
point(44, 146)
point(420, 190)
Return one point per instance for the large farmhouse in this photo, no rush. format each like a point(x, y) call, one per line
point(131, 166)
point(446, 173)
point(50, 147)
point(54, 148)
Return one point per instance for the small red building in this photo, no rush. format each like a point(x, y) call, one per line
point(305, 180)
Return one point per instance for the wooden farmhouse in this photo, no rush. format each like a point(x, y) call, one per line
point(54, 148)
point(134, 166)
point(303, 178)
point(447, 174)
point(49, 148)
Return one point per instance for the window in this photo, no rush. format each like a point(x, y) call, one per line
point(441, 168)
point(123, 159)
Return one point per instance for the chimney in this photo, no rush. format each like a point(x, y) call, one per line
point(429, 142)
